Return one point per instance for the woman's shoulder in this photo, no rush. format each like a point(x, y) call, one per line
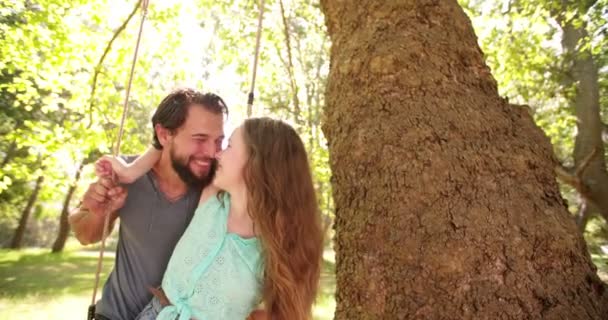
point(209, 192)
point(213, 199)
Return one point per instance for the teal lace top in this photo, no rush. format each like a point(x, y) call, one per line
point(212, 274)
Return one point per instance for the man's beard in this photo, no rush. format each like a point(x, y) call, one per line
point(180, 165)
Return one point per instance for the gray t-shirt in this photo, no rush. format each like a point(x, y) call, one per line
point(150, 227)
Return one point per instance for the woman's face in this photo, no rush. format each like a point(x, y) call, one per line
point(231, 162)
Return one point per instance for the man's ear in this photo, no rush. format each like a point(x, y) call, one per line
point(163, 134)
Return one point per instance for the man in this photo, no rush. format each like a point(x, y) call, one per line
point(155, 210)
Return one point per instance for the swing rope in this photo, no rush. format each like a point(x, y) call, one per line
point(125, 109)
point(255, 58)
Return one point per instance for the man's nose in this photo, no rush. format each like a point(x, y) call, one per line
point(210, 150)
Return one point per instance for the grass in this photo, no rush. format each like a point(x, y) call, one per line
point(326, 304)
point(35, 284)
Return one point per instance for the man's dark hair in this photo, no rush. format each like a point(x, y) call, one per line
point(172, 111)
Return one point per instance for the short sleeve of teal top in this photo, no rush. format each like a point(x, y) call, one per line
point(212, 274)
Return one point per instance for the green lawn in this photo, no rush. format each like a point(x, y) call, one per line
point(35, 284)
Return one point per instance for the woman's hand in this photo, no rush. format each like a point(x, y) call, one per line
point(161, 296)
point(258, 315)
point(110, 166)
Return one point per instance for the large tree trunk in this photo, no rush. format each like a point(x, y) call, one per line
point(64, 226)
point(446, 202)
point(589, 176)
point(25, 215)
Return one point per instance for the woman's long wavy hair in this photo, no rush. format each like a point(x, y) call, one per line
point(282, 203)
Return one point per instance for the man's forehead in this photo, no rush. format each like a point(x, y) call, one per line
point(199, 115)
point(197, 110)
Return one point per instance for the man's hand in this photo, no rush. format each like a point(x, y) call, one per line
point(104, 196)
point(101, 198)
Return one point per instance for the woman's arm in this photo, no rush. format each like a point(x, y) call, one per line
point(128, 172)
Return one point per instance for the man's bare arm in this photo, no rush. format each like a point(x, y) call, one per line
point(101, 197)
point(87, 226)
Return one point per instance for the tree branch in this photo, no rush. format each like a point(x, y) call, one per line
point(290, 69)
point(564, 174)
point(97, 70)
point(573, 176)
point(585, 163)
point(588, 4)
point(583, 215)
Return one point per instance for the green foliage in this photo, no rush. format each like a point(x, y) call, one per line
point(63, 75)
point(51, 118)
point(522, 43)
point(229, 55)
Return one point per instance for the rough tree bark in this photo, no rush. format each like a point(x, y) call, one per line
point(446, 201)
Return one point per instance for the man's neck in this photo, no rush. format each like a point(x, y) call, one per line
point(169, 182)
